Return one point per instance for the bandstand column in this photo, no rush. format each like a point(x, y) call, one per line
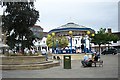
point(70, 33)
point(85, 50)
point(53, 35)
point(88, 41)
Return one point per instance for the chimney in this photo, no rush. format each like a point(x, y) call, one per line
point(109, 30)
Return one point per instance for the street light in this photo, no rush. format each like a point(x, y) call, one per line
point(56, 46)
point(49, 35)
point(93, 35)
point(90, 35)
point(53, 34)
point(70, 33)
point(88, 32)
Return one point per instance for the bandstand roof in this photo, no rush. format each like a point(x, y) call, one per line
point(71, 26)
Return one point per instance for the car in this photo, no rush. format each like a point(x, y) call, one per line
point(109, 51)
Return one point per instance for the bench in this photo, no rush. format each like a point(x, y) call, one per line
point(100, 63)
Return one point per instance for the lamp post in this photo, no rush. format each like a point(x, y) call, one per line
point(56, 46)
point(89, 41)
point(70, 33)
point(88, 32)
point(53, 34)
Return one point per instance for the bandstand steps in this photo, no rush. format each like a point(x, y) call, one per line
point(30, 66)
point(27, 63)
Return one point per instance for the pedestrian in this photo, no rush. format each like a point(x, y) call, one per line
point(44, 52)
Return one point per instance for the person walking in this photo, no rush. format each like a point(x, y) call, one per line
point(44, 52)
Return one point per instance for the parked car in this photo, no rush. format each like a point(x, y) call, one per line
point(109, 51)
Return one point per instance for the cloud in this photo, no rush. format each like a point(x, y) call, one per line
point(54, 13)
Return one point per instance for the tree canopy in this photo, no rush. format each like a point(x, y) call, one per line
point(56, 41)
point(102, 37)
point(19, 16)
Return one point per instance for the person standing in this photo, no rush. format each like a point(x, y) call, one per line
point(44, 52)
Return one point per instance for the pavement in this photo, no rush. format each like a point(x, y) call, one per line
point(109, 70)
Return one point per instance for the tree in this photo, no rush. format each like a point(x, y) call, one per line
point(61, 41)
point(20, 17)
point(101, 37)
point(111, 37)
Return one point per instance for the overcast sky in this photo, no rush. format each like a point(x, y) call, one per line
point(90, 13)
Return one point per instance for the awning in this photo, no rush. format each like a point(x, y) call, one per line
point(115, 44)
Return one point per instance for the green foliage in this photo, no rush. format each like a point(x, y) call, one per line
point(49, 41)
point(101, 37)
point(20, 17)
point(104, 38)
point(112, 37)
point(61, 41)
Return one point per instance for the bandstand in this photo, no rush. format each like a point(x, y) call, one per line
point(78, 35)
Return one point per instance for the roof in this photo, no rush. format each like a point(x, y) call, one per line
point(37, 26)
point(116, 33)
point(70, 26)
point(45, 33)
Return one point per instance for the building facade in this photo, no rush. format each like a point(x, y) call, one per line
point(40, 38)
point(37, 31)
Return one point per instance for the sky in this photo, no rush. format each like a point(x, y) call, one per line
point(90, 13)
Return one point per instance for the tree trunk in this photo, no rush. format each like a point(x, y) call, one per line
point(22, 46)
point(108, 45)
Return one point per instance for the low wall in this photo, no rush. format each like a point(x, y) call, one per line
point(21, 59)
point(26, 63)
point(73, 56)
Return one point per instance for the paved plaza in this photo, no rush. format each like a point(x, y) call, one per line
point(109, 70)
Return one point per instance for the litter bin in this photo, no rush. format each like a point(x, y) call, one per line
point(67, 62)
